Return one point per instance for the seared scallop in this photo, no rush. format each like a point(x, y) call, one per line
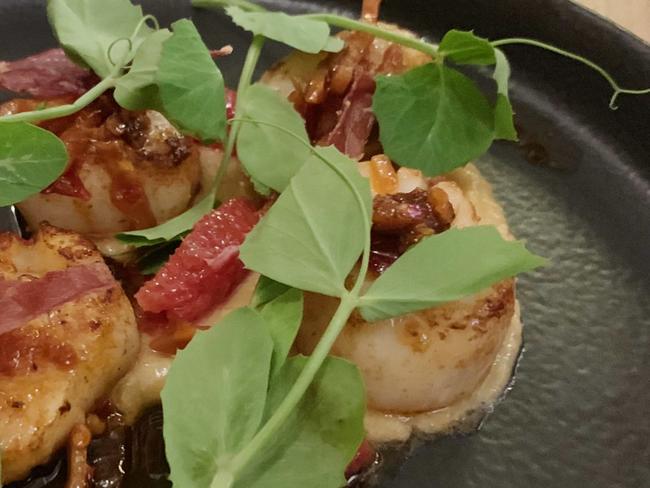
point(67, 334)
point(429, 360)
point(421, 361)
point(127, 170)
point(424, 361)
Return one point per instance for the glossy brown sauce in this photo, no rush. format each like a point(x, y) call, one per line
point(103, 134)
point(127, 192)
point(24, 350)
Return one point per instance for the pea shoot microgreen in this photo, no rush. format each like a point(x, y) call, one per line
point(185, 221)
point(257, 143)
point(307, 35)
point(456, 120)
point(31, 158)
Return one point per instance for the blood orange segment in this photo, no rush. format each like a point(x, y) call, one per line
point(363, 459)
point(231, 102)
point(205, 268)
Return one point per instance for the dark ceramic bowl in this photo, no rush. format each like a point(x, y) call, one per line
point(577, 187)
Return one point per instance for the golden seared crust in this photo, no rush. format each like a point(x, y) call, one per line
point(476, 318)
point(52, 249)
point(420, 361)
point(128, 170)
point(55, 367)
point(431, 359)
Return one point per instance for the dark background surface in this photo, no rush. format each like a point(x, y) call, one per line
point(579, 413)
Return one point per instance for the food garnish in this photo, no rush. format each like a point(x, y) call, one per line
point(239, 410)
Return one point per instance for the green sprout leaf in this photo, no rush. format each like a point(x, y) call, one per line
point(246, 5)
point(298, 242)
point(137, 89)
point(31, 159)
point(432, 118)
point(314, 446)
point(504, 127)
point(463, 47)
point(89, 31)
point(333, 45)
point(215, 396)
point(311, 448)
point(190, 85)
point(152, 258)
point(307, 35)
point(266, 291)
point(271, 156)
point(444, 268)
point(171, 230)
point(283, 316)
point(175, 74)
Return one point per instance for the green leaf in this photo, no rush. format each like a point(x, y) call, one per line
point(154, 257)
point(444, 268)
point(333, 45)
point(31, 159)
point(88, 29)
point(137, 90)
point(170, 230)
point(260, 187)
point(175, 74)
point(432, 118)
point(215, 396)
point(299, 242)
point(190, 86)
point(463, 47)
point(307, 35)
point(314, 446)
point(283, 317)
point(267, 290)
point(504, 127)
point(271, 156)
point(243, 4)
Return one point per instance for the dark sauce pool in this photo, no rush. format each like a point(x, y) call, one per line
point(133, 457)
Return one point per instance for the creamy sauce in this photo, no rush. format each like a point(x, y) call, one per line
point(141, 386)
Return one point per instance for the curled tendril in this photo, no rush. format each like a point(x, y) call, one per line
point(619, 91)
point(143, 22)
point(130, 40)
point(109, 52)
point(612, 101)
point(599, 69)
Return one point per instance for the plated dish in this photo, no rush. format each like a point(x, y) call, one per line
point(407, 208)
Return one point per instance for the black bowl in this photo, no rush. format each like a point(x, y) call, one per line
point(577, 187)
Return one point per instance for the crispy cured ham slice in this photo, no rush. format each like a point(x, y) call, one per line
point(355, 118)
point(44, 75)
point(25, 299)
point(334, 92)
